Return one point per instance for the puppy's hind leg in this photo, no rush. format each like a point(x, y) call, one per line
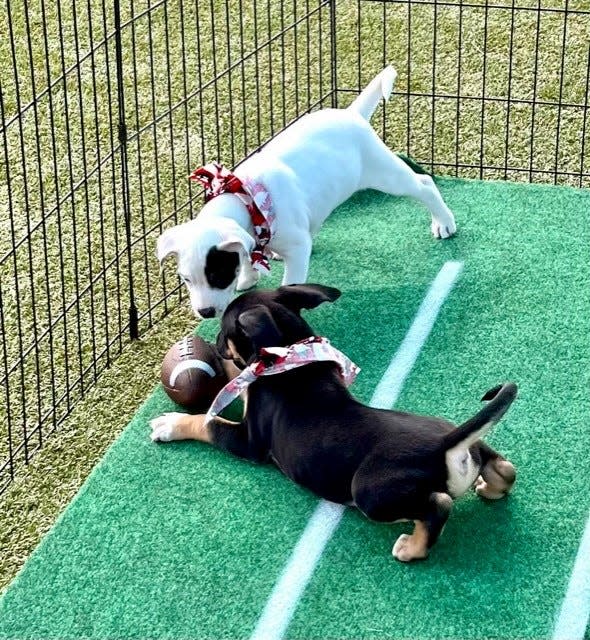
point(443, 223)
point(426, 531)
point(393, 499)
point(387, 172)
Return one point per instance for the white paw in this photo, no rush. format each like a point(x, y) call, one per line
point(443, 229)
point(164, 427)
point(276, 256)
point(405, 549)
point(248, 281)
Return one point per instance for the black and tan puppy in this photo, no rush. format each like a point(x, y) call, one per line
point(389, 464)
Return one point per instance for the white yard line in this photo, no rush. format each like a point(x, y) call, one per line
point(575, 609)
point(283, 600)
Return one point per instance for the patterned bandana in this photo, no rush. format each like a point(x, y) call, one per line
point(279, 359)
point(217, 179)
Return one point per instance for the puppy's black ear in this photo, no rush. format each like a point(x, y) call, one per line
point(305, 296)
point(258, 324)
point(221, 345)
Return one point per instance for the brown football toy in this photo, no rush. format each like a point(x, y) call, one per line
point(192, 373)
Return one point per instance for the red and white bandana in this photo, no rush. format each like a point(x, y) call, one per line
point(313, 349)
point(217, 179)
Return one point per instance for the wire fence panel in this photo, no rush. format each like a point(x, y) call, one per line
point(105, 110)
point(61, 265)
point(486, 89)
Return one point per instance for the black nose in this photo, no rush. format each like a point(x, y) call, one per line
point(207, 312)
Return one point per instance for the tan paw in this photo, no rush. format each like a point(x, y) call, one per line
point(483, 489)
point(496, 479)
point(406, 549)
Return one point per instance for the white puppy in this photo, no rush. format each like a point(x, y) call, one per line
point(307, 170)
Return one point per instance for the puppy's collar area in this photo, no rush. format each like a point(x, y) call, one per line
point(274, 360)
point(217, 180)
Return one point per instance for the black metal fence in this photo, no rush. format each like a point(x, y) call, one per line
point(107, 106)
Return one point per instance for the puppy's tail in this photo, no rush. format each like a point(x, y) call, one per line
point(500, 397)
point(379, 88)
point(414, 166)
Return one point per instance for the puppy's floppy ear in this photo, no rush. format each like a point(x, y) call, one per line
point(305, 296)
point(237, 240)
point(167, 244)
point(258, 324)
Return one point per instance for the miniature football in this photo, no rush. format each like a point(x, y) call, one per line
point(192, 373)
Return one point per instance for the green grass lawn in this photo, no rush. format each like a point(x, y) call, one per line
point(69, 143)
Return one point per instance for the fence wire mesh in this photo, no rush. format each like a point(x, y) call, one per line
point(106, 108)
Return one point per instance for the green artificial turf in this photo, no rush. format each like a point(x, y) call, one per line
point(183, 541)
point(485, 53)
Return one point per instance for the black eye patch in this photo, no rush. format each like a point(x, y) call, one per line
point(221, 267)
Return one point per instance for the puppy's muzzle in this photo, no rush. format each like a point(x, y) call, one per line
point(206, 312)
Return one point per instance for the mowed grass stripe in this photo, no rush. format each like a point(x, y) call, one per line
point(184, 541)
point(520, 312)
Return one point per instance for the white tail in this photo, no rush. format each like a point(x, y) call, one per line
point(379, 88)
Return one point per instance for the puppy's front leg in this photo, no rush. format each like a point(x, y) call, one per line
point(229, 436)
point(247, 277)
point(179, 426)
point(296, 259)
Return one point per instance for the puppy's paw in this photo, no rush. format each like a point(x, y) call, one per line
point(165, 428)
point(276, 256)
point(248, 280)
point(483, 490)
point(406, 549)
point(496, 481)
point(444, 229)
